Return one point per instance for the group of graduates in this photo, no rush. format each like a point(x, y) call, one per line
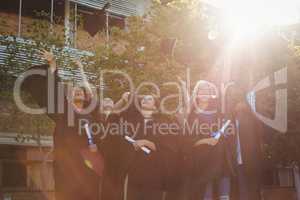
point(179, 166)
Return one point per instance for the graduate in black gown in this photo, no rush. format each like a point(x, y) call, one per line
point(249, 139)
point(110, 143)
point(74, 179)
point(210, 160)
point(152, 175)
point(117, 152)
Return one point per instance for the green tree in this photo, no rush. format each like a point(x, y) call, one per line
point(141, 56)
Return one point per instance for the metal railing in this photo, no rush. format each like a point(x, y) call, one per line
point(22, 58)
point(119, 7)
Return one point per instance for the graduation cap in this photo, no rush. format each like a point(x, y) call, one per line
point(106, 6)
point(95, 22)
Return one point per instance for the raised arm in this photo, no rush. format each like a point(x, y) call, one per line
point(122, 102)
point(85, 81)
point(37, 84)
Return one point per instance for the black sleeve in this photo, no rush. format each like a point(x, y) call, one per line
point(166, 138)
point(37, 86)
point(95, 112)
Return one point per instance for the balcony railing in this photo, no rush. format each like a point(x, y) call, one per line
point(119, 7)
point(21, 139)
point(22, 58)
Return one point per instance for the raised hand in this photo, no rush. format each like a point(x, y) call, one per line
point(50, 58)
point(85, 81)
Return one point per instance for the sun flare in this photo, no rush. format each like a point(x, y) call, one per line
point(247, 18)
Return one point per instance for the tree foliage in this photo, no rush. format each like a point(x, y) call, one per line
point(142, 55)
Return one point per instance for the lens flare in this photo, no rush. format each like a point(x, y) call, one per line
point(248, 18)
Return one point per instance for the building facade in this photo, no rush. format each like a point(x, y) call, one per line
point(26, 160)
point(26, 167)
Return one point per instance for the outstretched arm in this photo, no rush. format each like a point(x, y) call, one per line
point(84, 78)
point(122, 102)
point(37, 85)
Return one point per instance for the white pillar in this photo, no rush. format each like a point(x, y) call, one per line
point(51, 16)
point(297, 181)
point(107, 27)
point(75, 25)
point(52, 11)
point(20, 18)
point(67, 23)
point(125, 187)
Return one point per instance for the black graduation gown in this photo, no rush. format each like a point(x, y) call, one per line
point(161, 169)
point(73, 178)
point(206, 163)
point(250, 135)
point(110, 145)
